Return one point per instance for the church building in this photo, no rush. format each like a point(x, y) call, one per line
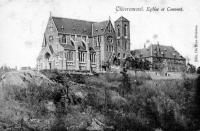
point(71, 44)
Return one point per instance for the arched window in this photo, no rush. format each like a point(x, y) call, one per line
point(125, 30)
point(64, 39)
point(118, 32)
point(125, 45)
point(47, 56)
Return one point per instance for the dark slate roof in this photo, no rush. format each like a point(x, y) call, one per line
point(157, 50)
point(122, 19)
point(73, 26)
point(99, 27)
point(68, 46)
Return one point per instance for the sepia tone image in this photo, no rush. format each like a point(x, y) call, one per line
point(99, 65)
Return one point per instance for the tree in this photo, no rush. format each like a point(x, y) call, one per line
point(191, 68)
point(198, 70)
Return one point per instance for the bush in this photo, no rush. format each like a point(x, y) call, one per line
point(198, 70)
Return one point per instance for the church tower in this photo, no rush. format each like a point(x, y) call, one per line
point(122, 30)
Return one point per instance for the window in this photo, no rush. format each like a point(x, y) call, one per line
point(81, 56)
point(125, 30)
point(92, 57)
point(69, 56)
point(118, 32)
point(50, 38)
point(125, 45)
point(99, 40)
point(64, 39)
point(110, 28)
point(110, 39)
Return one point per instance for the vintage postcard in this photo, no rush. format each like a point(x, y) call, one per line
point(99, 65)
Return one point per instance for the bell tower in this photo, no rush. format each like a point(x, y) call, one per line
point(122, 30)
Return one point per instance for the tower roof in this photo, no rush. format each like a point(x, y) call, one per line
point(122, 19)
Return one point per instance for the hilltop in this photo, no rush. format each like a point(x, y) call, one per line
point(54, 100)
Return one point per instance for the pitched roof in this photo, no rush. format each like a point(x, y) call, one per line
point(122, 19)
point(157, 50)
point(99, 27)
point(73, 26)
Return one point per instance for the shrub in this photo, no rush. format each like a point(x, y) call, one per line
point(198, 70)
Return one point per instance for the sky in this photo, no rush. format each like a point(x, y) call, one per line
point(23, 22)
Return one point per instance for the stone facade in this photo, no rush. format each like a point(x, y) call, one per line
point(71, 44)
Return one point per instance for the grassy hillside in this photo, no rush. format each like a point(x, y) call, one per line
point(110, 101)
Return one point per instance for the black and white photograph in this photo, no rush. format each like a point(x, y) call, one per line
point(99, 65)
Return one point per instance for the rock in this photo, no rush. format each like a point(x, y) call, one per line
point(22, 79)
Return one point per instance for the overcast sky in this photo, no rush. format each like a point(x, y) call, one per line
point(22, 24)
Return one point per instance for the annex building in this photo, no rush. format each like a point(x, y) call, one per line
point(71, 44)
point(161, 57)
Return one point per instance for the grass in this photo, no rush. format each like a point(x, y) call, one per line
point(148, 104)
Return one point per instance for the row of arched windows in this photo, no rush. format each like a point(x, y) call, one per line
point(125, 29)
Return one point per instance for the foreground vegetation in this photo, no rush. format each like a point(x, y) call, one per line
point(118, 101)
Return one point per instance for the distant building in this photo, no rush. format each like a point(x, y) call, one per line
point(71, 44)
point(26, 68)
point(162, 57)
